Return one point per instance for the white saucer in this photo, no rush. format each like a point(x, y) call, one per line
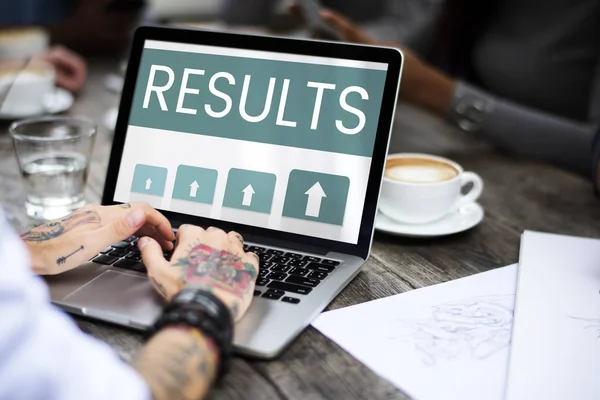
point(110, 119)
point(58, 101)
point(460, 220)
point(114, 83)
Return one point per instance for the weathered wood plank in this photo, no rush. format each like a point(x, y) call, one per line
point(245, 382)
point(527, 195)
point(124, 341)
point(315, 368)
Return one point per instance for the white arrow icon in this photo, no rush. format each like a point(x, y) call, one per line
point(248, 193)
point(315, 197)
point(194, 189)
point(148, 183)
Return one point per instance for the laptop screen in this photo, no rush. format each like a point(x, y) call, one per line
point(266, 139)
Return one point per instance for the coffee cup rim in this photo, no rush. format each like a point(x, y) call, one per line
point(47, 71)
point(426, 156)
point(29, 31)
point(31, 64)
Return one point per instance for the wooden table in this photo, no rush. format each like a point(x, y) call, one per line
point(519, 195)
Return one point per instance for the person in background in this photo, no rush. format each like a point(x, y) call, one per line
point(208, 284)
point(89, 27)
point(399, 20)
point(70, 68)
point(527, 78)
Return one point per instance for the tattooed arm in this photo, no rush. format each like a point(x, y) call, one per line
point(179, 362)
point(64, 244)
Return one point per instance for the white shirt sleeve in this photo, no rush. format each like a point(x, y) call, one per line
point(43, 354)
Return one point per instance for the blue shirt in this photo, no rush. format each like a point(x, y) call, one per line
point(34, 12)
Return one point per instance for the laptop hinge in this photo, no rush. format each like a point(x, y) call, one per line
point(304, 248)
point(274, 242)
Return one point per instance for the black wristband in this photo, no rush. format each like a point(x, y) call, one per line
point(204, 311)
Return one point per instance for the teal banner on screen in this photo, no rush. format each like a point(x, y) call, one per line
point(309, 106)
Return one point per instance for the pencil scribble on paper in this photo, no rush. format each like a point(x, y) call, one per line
point(592, 324)
point(474, 327)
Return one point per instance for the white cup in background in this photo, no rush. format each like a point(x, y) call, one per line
point(421, 188)
point(28, 87)
point(20, 43)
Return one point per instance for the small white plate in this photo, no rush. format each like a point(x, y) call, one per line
point(58, 101)
point(110, 119)
point(114, 83)
point(458, 221)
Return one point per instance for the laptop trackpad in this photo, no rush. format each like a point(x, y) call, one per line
point(118, 297)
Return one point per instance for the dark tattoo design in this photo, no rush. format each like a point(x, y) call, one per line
point(125, 205)
point(241, 239)
point(178, 370)
point(212, 268)
point(57, 228)
point(235, 309)
point(160, 287)
point(62, 260)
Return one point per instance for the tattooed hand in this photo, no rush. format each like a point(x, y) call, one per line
point(209, 259)
point(64, 244)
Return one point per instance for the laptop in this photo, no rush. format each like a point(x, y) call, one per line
point(281, 140)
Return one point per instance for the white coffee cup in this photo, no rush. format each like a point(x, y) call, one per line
point(20, 43)
point(28, 88)
point(421, 188)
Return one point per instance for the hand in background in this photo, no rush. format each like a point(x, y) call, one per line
point(64, 244)
point(208, 259)
point(421, 83)
point(71, 70)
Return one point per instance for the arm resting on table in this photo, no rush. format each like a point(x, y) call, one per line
point(532, 133)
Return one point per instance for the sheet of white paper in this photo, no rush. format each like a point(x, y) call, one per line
point(556, 339)
point(447, 341)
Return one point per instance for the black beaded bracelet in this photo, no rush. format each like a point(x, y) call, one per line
point(204, 311)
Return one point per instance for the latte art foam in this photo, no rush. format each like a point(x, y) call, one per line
point(413, 170)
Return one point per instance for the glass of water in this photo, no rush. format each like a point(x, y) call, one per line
point(53, 155)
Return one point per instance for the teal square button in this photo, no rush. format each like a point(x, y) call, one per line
point(195, 184)
point(316, 197)
point(250, 190)
point(148, 179)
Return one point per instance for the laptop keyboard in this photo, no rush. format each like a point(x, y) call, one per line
point(288, 276)
point(124, 255)
point(283, 276)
